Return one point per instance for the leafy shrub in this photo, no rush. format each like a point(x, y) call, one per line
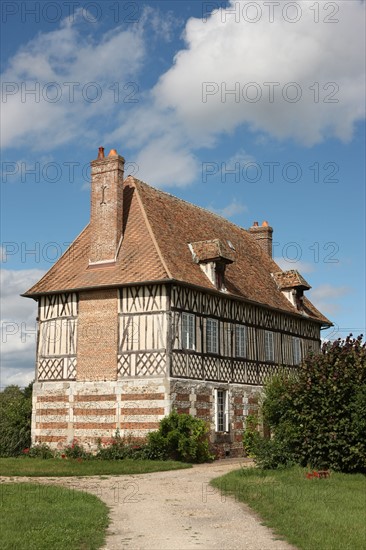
point(15, 420)
point(318, 417)
point(119, 448)
point(75, 450)
point(251, 436)
point(40, 451)
point(180, 437)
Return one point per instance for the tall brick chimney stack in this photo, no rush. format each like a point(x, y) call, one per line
point(106, 207)
point(263, 236)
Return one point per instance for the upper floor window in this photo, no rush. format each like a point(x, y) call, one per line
point(269, 345)
point(296, 348)
point(212, 336)
point(240, 341)
point(188, 331)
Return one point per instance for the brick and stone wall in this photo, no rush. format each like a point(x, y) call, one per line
point(88, 411)
point(198, 399)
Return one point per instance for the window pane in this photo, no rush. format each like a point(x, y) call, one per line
point(296, 346)
point(188, 331)
point(269, 351)
point(240, 341)
point(211, 336)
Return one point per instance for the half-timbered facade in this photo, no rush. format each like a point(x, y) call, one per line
point(160, 305)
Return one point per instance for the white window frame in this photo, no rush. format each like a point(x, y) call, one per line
point(269, 346)
point(221, 410)
point(188, 332)
point(212, 336)
point(240, 341)
point(296, 350)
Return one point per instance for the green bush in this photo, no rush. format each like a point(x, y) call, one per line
point(40, 451)
point(75, 450)
point(318, 417)
point(119, 448)
point(180, 437)
point(251, 436)
point(15, 420)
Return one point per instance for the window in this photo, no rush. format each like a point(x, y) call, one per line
point(296, 348)
point(268, 344)
point(221, 412)
point(240, 341)
point(212, 336)
point(188, 331)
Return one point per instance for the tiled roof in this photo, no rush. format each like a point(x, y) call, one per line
point(290, 279)
point(212, 250)
point(158, 229)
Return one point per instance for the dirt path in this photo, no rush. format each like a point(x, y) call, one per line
point(174, 510)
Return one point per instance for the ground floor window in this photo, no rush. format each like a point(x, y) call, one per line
point(222, 410)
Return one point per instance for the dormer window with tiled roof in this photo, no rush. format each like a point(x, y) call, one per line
point(292, 285)
point(213, 256)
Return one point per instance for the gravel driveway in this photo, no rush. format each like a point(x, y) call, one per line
point(174, 510)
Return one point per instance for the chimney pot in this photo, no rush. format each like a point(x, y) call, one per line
point(265, 224)
point(101, 153)
point(113, 153)
point(255, 224)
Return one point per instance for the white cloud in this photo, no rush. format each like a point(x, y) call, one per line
point(301, 267)
point(229, 53)
point(18, 326)
point(66, 55)
point(326, 297)
point(232, 209)
point(226, 53)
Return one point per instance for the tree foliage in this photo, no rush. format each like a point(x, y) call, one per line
point(15, 420)
point(318, 417)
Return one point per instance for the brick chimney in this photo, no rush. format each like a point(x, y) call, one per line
point(106, 207)
point(263, 236)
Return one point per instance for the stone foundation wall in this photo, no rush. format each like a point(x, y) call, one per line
point(198, 399)
point(87, 411)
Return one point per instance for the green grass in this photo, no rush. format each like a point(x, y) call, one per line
point(321, 514)
point(43, 517)
point(58, 467)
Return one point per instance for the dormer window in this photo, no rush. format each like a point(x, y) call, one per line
point(213, 257)
point(292, 285)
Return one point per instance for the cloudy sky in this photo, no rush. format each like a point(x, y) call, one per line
point(254, 110)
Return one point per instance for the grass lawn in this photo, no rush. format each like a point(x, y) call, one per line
point(58, 467)
point(43, 517)
point(321, 514)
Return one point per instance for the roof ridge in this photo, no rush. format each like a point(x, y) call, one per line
point(150, 230)
point(191, 204)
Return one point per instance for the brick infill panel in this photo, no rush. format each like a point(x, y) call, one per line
point(51, 425)
point(238, 425)
point(182, 397)
point(203, 413)
point(95, 425)
point(100, 412)
point(238, 400)
point(126, 411)
point(52, 398)
point(182, 410)
point(139, 425)
point(141, 396)
point(50, 438)
point(202, 398)
point(50, 412)
point(106, 397)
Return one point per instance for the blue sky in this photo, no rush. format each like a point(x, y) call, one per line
point(252, 109)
